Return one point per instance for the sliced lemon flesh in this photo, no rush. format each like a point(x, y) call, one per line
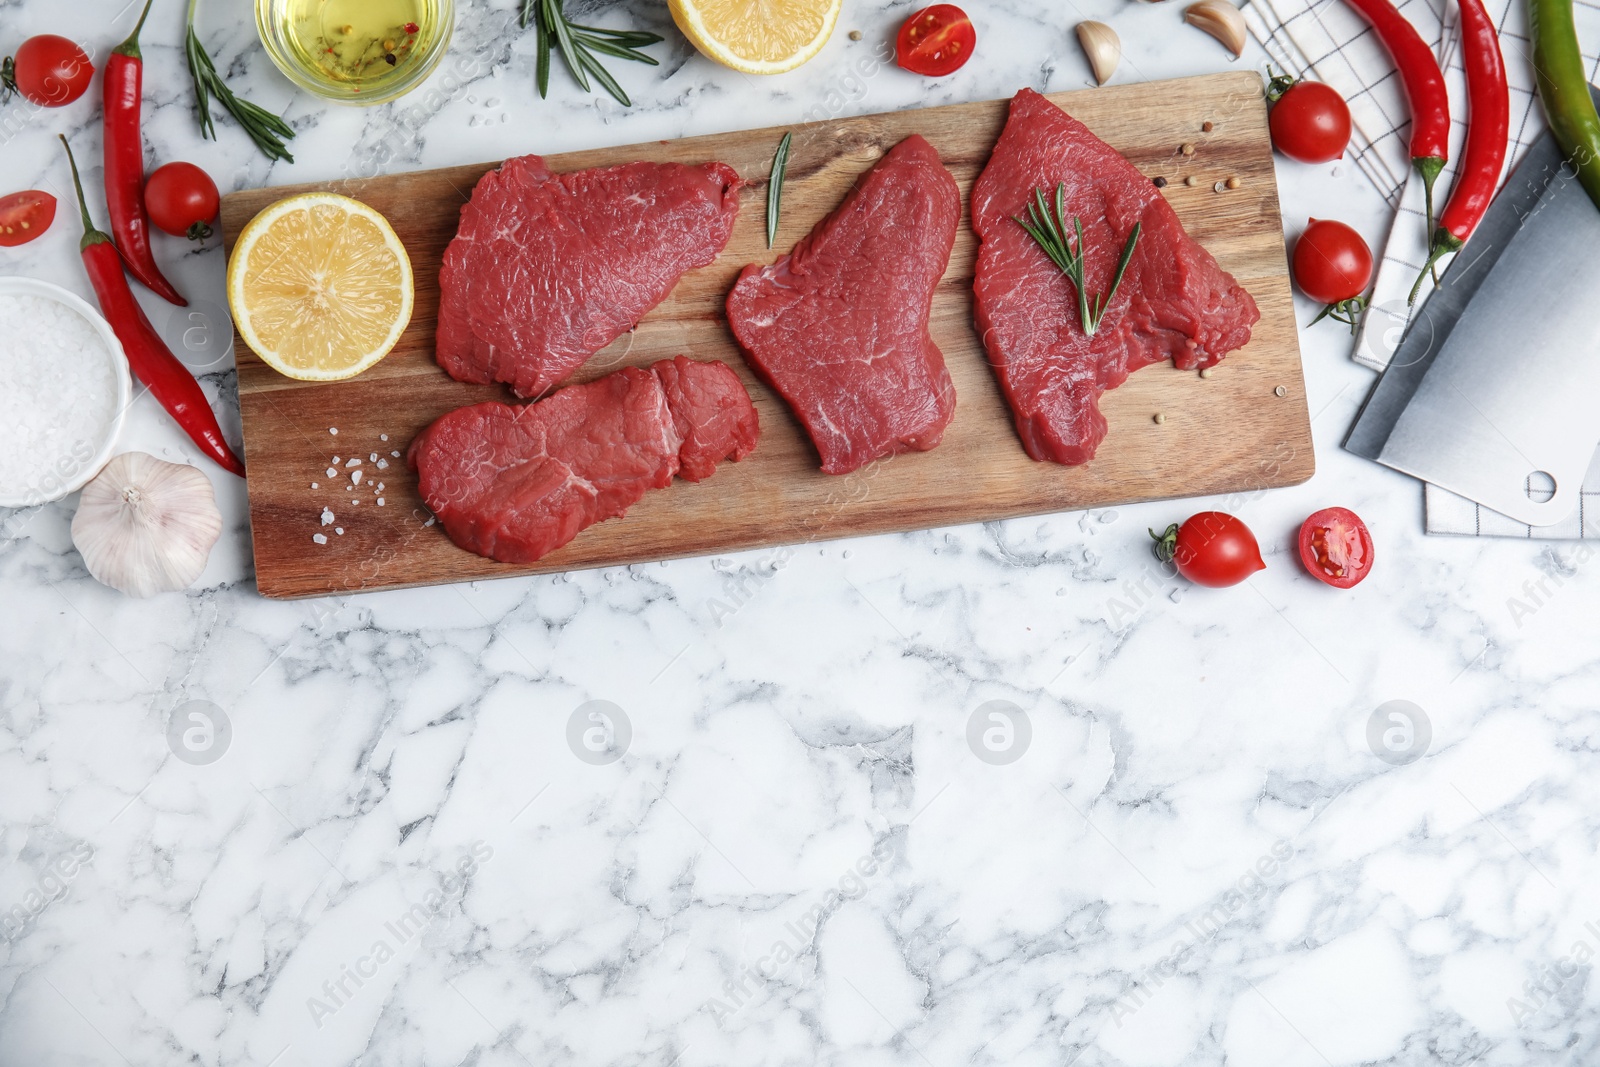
point(757, 36)
point(320, 287)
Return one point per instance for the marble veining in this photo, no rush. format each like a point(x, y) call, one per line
point(994, 794)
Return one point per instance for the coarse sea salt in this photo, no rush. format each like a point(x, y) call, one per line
point(58, 394)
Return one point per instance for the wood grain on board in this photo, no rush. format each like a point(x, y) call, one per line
point(1231, 432)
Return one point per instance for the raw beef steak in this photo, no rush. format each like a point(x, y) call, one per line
point(839, 326)
point(547, 269)
point(515, 482)
point(1174, 303)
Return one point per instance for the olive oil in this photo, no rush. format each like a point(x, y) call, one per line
point(358, 46)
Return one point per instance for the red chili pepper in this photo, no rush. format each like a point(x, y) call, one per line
point(1425, 91)
point(1488, 131)
point(124, 145)
point(151, 361)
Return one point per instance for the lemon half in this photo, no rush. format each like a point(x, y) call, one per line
point(757, 36)
point(320, 286)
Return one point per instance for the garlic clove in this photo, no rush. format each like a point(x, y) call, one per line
point(145, 526)
point(1221, 20)
point(1103, 48)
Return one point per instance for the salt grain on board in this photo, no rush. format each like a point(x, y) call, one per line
point(355, 479)
point(383, 437)
point(327, 516)
point(353, 462)
point(58, 392)
point(320, 539)
point(372, 458)
point(380, 501)
point(334, 430)
point(332, 473)
point(383, 464)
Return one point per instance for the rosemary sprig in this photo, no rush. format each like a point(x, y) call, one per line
point(267, 130)
point(1049, 229)
point(579, 45)
point(780, 167)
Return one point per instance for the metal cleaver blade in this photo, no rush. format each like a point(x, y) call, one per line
point(1494, 393)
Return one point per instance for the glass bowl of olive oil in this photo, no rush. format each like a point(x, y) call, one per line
point(356, 51)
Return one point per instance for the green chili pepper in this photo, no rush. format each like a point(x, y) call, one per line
point(1564, 89)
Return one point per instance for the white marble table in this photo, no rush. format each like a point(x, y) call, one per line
point(399, 857)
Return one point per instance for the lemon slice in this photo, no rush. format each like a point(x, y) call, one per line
point(757, 36)
point(320, 287)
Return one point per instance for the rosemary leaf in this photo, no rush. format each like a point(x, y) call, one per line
point(631, 38)
point(780, 167)
point(604, 77)
point(607, 48)
point(542, 70)
point(569, 50)
point(527, 13)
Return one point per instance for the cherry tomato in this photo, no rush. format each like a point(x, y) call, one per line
point(1211, 548)
point(48, 70)
point(24, 216)
point(1310, 121)
point(1336, 547)
point(1332, 264)
point(182, 200)
point(936, 41)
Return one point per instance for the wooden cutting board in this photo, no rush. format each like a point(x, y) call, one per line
point(1245, 428)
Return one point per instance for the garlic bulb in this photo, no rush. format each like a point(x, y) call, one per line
point(1221, 20)
point(146, 526)
point(1103, 48)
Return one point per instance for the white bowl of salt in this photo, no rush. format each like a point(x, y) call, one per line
point(64, 391)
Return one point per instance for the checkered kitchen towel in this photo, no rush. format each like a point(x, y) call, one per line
point(1326, 40)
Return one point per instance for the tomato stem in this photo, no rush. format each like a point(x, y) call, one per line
point(1166, 545)
point(198, 231)
point(1345, 311)
point(1278, 84)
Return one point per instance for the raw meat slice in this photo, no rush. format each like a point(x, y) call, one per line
point(839, 326)
point(711, 411)
point(547, 269)
point(515, 482)
point(1174, 302)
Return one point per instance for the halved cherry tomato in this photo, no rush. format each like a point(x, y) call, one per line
point(182, 200)
point(47, 70)
point(936, 41)
point(1211, 548)
point(1336, 547)
point(24, 216)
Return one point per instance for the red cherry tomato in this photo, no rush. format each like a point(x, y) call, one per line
point(24, 216)
point(1336, 547)
point(1332, 263)
point(182, 200)
point(936, 41)
point(48, 70)
point(1211, 548)
point(1310, 122)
